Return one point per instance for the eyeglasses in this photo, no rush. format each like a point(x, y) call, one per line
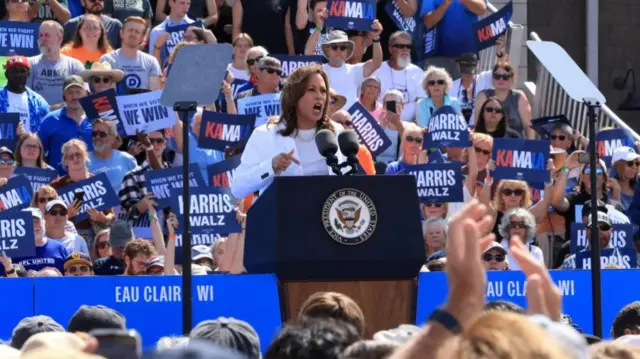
point(158, 140)
point(415, 139)
point(488, 257)
point(100, 134)
point(31, 146)
point(587, 170)
point(513, 192)
point(493, 110)
point(7, 161)
point(103, 244)
point(603, 227)
point(272, 71)
point(45, 199)
point(558, 137)
point(91, 28)
point(100, 79)
point(338, 47)
point(348, 123)
point(484, 152)
point(435, 205)
point(78, 268)
point(253, 61)
point(435, 82)
point(519, 224)
point(73, 156)
point(402, 46)
point(55, 212)
point(633, 163)
point(505, 77)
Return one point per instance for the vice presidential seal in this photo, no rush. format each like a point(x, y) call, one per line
point(349, 216)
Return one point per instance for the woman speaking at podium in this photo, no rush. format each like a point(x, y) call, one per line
point(286, 146)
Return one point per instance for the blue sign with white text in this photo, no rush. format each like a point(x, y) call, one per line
point(213, 210)
point(438, 183)
point(289, 63)
point(369, 131)
point(524, 160)
point(219, 131)
point(608, 141)
point(487, 30)
point(38, 177)
point(431, 41)
point(103, 105)
point(16, 234)
point(351, 14)
point(447, 127)
point(98, 194)
point(161, 182)
point(621, 236)
point(221, 174)
point(624, 258)
point(404, 23)
point(16, 194)
point(8, 127)
point(19, 38)
point(176, 35)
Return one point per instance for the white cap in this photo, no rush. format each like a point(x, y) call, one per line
point(624, 153)
point(495, 245)
point(55, 202)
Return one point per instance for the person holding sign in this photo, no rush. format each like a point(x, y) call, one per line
point(7, 165)
point(519, 224)
point(89, 42)
point(436, 83)
point(412, 153)
point(624, 175)
point(104, 159)
point(178, 15)
point(238, 68)
point(391, 123)
point(267, 78)
point(493, 120)
point(56, 216)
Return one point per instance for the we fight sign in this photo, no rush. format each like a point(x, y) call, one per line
point(487, 31)
point(519, 159)
point(351, 14)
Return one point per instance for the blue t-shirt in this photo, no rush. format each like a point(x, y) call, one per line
point(115, 167)
point(203, 157)
point(73, 242)
point(51, 254)
point(395, 167)
point(454, 32)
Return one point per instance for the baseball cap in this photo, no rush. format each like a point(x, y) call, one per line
point(31, 326)
point(120, 234)
point(399, 335)
point(468, 58)
point(77, 258)
point(229, 333)
point(586, 208)
point(199, 349)
point(154, 262)
point(200, 251)
point(73, 80)
point(35, 212)
point(55, 202)
point(602, 217)
point(4, 150)
point(90, 317)
point(495, 245)
point(17, 60)
point(623, 153)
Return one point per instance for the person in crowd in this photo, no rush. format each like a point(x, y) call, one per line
point(218, 250)
point(515, 101)
point(519, 223)
point(56, 217)
point(90, 317)
point(111, 25)
point(435, 235)
point(7, 164)
point(468, 86)
point(44, 195)
point(30, 153)
point(140, 70)
point(125, 9)
point(305, 104)
point(604, 235)
point(17, 97)
point(201, 254)
point(238, 67)
point(218, 331)
point(432, 210)
point(65, 124)
point(50, 68)
point(368, 91)
point(365, 159)
point(344, 77)
point(482, 146)
point(101, 77)
point(306, 20)
point(177, 16)
point(493, 120)
point(455, 36)
point(263, 21)
point(411, 149)
point(48, 253)
point(495, 257)
point(89, 42)
point(398, 73)
point(336, 102)
point(627, 321)
point(391, 124)
point(252, 59)
point(50, 10)
point(198, 35)
point(78, 265)
point(436, 83)
point(333, 306)
point(120, 234)
point(267, 79)
point(624, 177)
point(205, 11)
point(105, 159)
point(18, 11)
point(32, 326)
point(137, 253)
point(155, 266)
point(101, 247)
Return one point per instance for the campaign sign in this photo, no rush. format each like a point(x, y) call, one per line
point(103, 105)
point(487, 30)
point(219, 130)
point(206, 239)
point(236, 85)
point(404, 23)
point(609, 258)
point(621, 236)
point(146, 301)
point(144, 112)
point(161, 182)
point(16, 234)
point(38, 177)
point(369, 131)
point(221, 174)
point(575, 287)
point(351, 14)
point(213, 210)
point(447, 127)
point(18, 305)
point(262, 106)
point(431, 41)
point(8, 127)
point(176, 35)
point(98, 194)
point(519, 159)
point(438, 183)
point(19, 38)
point(608, 141)
point(16, 194)
point(290, 63)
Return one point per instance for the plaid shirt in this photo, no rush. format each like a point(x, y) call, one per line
point(133, 189)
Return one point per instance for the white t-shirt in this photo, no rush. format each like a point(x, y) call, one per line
point(407, 81)
point(535, 251)
point(238, 74)
point(483, 81)
point(307, 152)
point(345, 80)
point(20, 103)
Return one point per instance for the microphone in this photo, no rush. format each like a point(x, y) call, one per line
point(328, 147)
point(349, 146)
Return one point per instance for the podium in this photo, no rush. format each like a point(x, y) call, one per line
point(357, 235)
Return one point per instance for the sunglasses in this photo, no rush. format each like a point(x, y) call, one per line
point(603, 227)
point(504, 77)
point(103, 245)
point(493, 110)
point(7, 161)
point(402, 46)
point(45, 199)
point(100, 134)
point(73, 156)
point(158, 140)
point(100, 79)
point(272, 71)
point(415, 139)
point(435, 205)
point(348, 123)
point(558, 137)
point(78, 268)
point(599, 171)
point(519, 224)
point(435, 82)
point(513, 192)
point(484, 152)
point(339, 47)
point(488, 257)
point(55, 212)
point(633, 163)
point(251, 62)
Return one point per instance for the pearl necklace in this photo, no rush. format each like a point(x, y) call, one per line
point(299, 135)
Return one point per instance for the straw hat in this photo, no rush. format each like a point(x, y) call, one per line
point(102, 69)
point(338, 37)
point(340, 100)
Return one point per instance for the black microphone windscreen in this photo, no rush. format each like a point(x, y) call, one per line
point(348, 140)
point(326, 143)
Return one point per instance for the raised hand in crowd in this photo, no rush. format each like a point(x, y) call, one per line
point(228, 96)
point(74, 207)
point(146, 203)
point(97, 216)
point(3, 181)
point(7, 264)
point(614, 186)
point(20, 130)
point(281, 162)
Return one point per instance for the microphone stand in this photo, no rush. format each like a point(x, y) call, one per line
point(332, 161)
point(352, 162)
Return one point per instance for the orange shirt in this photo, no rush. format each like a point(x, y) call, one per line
point(366, 160)
point(87, 57)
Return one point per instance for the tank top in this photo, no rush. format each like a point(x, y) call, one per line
point(511, 106)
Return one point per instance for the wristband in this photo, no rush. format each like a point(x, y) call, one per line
point(157, 47)
point(445, 319)
point(375, 40)
point(10, 272)
point(172, 236)
point(152, 216)
point(564, 169)
point(318, 27)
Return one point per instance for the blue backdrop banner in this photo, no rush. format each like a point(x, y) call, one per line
point(18, 305)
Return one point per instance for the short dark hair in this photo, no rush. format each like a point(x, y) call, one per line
point(312, 339)
point(627, 318)
point(333, 305)
point(503, 306)
point(369, 349)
